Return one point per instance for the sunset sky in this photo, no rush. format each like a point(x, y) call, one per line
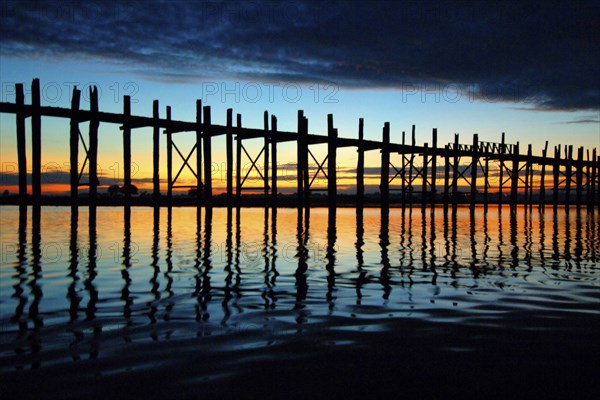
point(528, 69)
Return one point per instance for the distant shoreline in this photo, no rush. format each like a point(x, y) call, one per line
point(283, 201)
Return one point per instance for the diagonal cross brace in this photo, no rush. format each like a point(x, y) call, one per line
point(185, 162)
point(86, 157)
point(253, 161)
point(398, 172)
point(320, 168)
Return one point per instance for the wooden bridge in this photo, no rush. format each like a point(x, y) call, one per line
point(574, 180)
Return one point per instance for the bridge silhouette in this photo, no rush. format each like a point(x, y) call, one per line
point(575, 180)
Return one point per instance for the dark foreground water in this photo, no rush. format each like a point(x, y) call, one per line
point(175, 304)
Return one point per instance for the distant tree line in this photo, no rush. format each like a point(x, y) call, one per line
point(115, 190)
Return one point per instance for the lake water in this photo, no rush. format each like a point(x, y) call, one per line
point(159, 303)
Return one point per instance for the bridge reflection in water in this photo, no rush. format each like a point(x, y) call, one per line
point(216, 281)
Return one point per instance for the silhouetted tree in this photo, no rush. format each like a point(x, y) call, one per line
point(132, 189)
point(113, 190)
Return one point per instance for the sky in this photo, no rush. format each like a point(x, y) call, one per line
point(529, 69)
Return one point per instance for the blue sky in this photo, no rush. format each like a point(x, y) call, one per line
point(529, 70)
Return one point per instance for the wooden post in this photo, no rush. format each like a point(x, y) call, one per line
point(542, 196)
point(384, 185)
point(555, 173)
point(446, 175)
point(21, 148)
point(36, 143)
point(207, 157)
point(433, 166)
point(266, 159)
point(501, 172)
point(531, 176)
point(155, 152)
point(595, 177)
point(526, 186)
point(514, 179)
point(411, 166)
point(592, 199)
point(238, 162)
point(455, 170)
point(579, 176)
point(528, 178)
point(198, 152)
point(273, 161)
point(486, 182)
point(474, 166)
point(74, 146)
point(229, 152)
point(424, 176)
point(300, 158)
point(331, 162)
point(305, 169)
point(360, 167)
point(403, 173)
point(93, 149)
point(597, 181)
point(127, 149)
point(569, 174)
point(169, 158)
point(588, 174)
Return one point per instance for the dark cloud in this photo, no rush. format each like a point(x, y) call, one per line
point(583, 121)
point(51, 174)
point(545, 54)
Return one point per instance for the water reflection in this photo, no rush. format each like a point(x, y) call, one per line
point(125, 292)
point(591, 238)
point(197, 264)
point(486, 241)
point(330, 256)
point(238, 250)
point(578, 241)
point(360, 260)
point(20, 275)
point(232, 267)
point(514, 253)
point(205, 292)
point(214, 268)
point(474, 261)
point(227, 296)
point(90, 286)
point(72, 293)
point(302, 257)
point(73, 290)
point(384, 242)
point(269, 294)
point(155, 285)
point(432, 246)
point(567, 240)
